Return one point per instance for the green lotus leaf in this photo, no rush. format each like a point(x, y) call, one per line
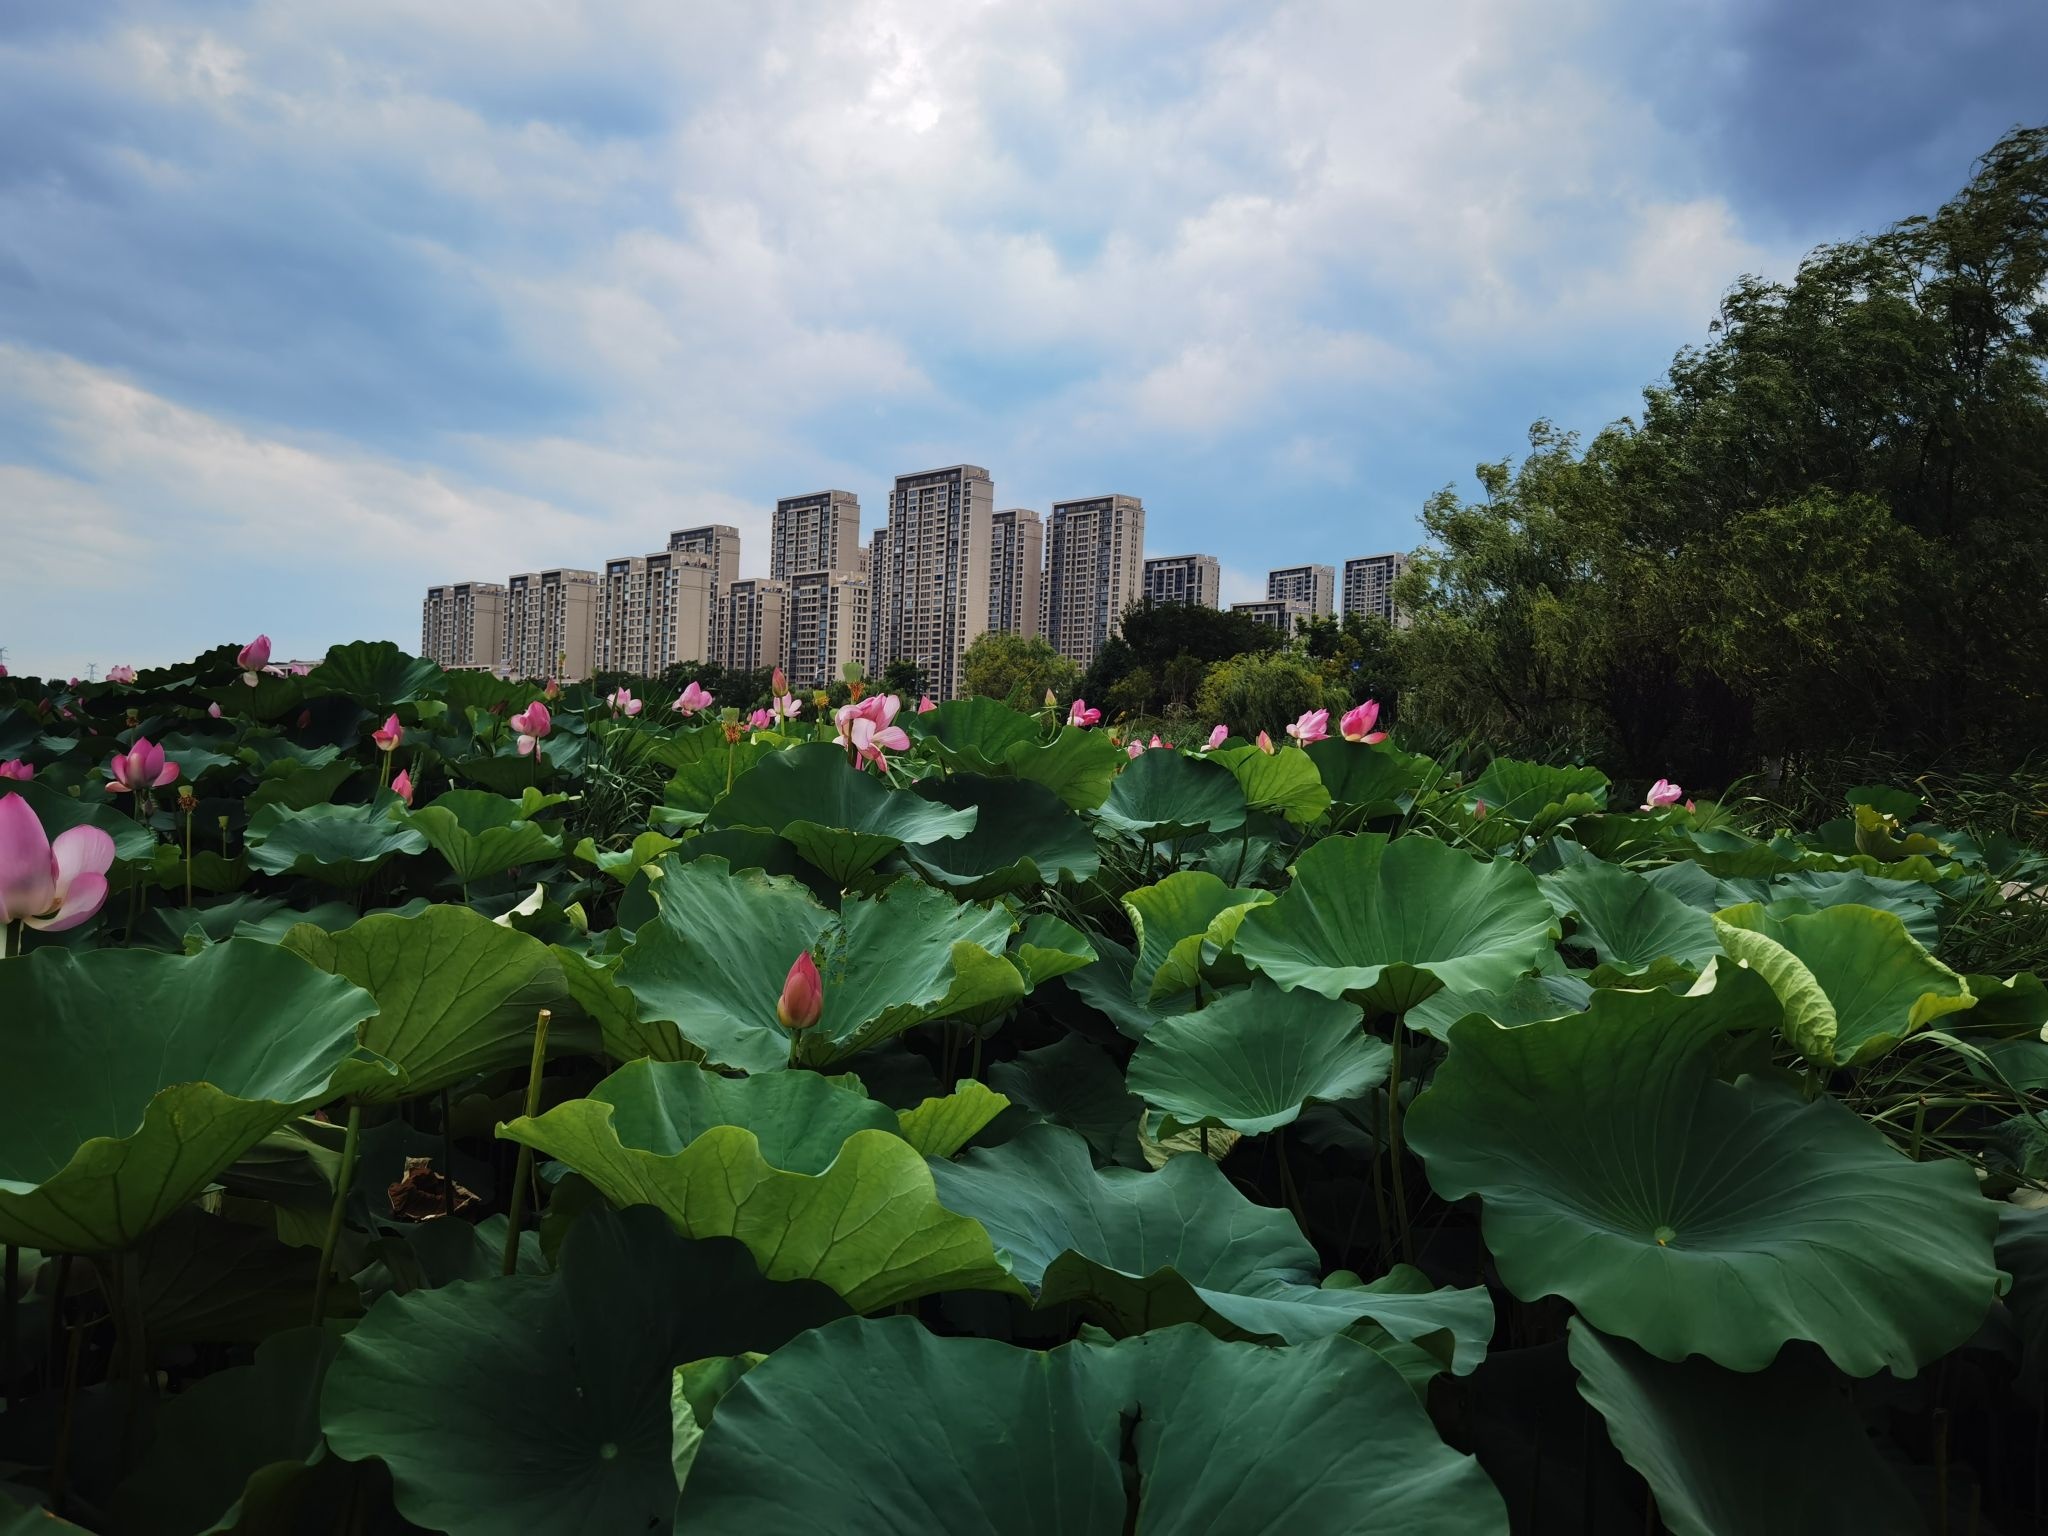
point(1286, 782)
point(195, 756)
point(1147, 1436)
point(540, 1404)
point(1047, 946)
point(1527, 1000)
point(1394, 921)
point(867, 1223)
point(1627, 922)
point(1878, 836)
point(335, 844)
point(507, 772)
point(1852, 980)
point(592, 984)
point(457, 994)
point(482, 834)
point(1693, 1215)
point(376, 674)
point(2023, 1254)
point(974, 733)
point(2012, 1002)
point(707, 766)
point(1110, 987)
point(1724, 1451)
point(1174, 920)
point(1023, 836)
point(295, 786)
point(1916, 905)
point(60, 812)
point(203, 1279)
point(1253, 1058)
point(166, 870)
point(1163, 795)
point(745, 848)
point(715, 959)
point(134, 1078)
point(1370, 780)
point(940, 1127)
point(1441, 1328)
point(625, 863)
point(1146, 1250)
point(843, 819)
point(1075, 1084)
point(1077, 765)
point(1522, 791)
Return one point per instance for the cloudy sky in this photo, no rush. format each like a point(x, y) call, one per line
point(305, 307)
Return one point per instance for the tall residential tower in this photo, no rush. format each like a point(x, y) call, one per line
point(1369, 584)
point(551, 624)
point(1016, 571)
point(1312, 586)
point(1094, 570)
point(1184, 579)
point(930, 573)
point(462, 624)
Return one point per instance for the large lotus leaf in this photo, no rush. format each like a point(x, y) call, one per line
point(1285, 782)
point(336, 844)
point(1075, 1084)
point(61, 812)
point(1110, 987)
point(133, 1078)
point(1775, 1453)
point(375, 673)
point(1023, 836)
point(1370, 780)
point(941, 1126)
point(715, 961)
point(623, 1035)
point(707, 766)
point(1627, 922)
point(1146, 1250)
point(540, 1404)
point(1694, 1215)
point(482, 834)
point(1148, 1437)
point(203, 1279)
point(1523, 791)
point(868, 1223)
point(1916, 905)
point(1048, 946)
point(623, 864)
point(1852, 980)
point(1163, 795)
point(2023, 1254)
point(295, 786)
point(1528, 1000)
point(1441, 1328)
point(1173, 921)
point(975, 733)
point(1880, 837)
point(1077, 765)
point(457, 994)
point(1253, 1058)
point(1396, 920)
point(841, 818)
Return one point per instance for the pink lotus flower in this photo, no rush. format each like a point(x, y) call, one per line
point(624, 703)
point(213, 710)
point(1134, 749)
point(49, 885)
point(15, 768)
point(1080, 714)
point(866, 728)
point(761, 719)
point(1663, 793)
point(803, 995)
point(1358, 723)
point(401, 786)
point(1313, 726)
point(388, 735)
point(785, 706)
point(121, 674)
point(691, 699)
point(924, 704)
point(253, 658)
point(532, 723)
point(141, 767)
point(1265, 744)
point(1690, 808)
point(296, 669)
point(1479, 810)
point(1218, 736)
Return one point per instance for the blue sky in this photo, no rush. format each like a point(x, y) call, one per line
point(304, 308)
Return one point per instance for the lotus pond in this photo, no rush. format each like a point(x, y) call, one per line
point(426, 1105)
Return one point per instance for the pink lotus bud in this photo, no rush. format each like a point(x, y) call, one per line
point(691, 699)
point(1479, 810)
point(252, 658)
point(51, 885)
point(1663, 793)
point(213, 710)
point(1313, 726)
point(388, 735)
point(552, 690)
point(401, 786)
point(305, 718)
point(1357, 724)
point(1218, 736)
point(1050, 701)
point(1690, 808)
point(15, 768)
point(1265, 744)
point(778, 682)
point(141, 767)
point(1080, 714)
point(925, 705)
point(803, 995)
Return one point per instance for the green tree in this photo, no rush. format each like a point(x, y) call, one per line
point(904, 678)
point(1263, 691)
point(1174, 644)
point(1018, 670)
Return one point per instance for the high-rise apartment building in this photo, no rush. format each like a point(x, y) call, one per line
point(828, 625)
point(1315, 586)
point(1094, 570)
point(1184, 579)
point(1286, 614)
point(551, 624)
point(1369, 584)
point(1016, 571)
point(721, 542)
point(930, 573)
point(754, 624)
point(815, 532)
point(653, 611)
point(462, 624)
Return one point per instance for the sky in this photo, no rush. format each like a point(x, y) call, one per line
point(305, 308)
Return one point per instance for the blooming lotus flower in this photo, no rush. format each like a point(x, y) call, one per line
point(1313, 726)
point(49, 885)
point(1218, 736)
point(1134, 749)
point(15, 768)
point(865, 726)
point(1358, 722)
point(691, 699)
point(624, 703)
point(297, 669)
point(121, 674)
point(532, 723)
point(213, 710)
point(1662, 793)
point(785, 706)
point(924, 704)
point(1265, 744)
point(388, 735)
point(803, 995)
point(401, 786)
point(141, 767)
point(252, 658)
point(761, 719)
point(1080, 714)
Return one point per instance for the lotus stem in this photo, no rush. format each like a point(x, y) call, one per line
point(9, 1344)
point(447, 1157)
point(1394, 1145)
point(60, 1459)
point(188, 860)
point(343, 1178)
point(523, 1171)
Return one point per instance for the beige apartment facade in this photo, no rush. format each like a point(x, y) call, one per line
point(1286, 614)
point(754, 624)
point(930, 573)
point(1094, 570)
point(818, 531)
point(828, 626)
point(462, 624)
point(654, 611)
point(1016, 572)
point(1313, 586)
point(720, 543)
point(1369, 585)
point(1184, 579)
point(551, 624)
